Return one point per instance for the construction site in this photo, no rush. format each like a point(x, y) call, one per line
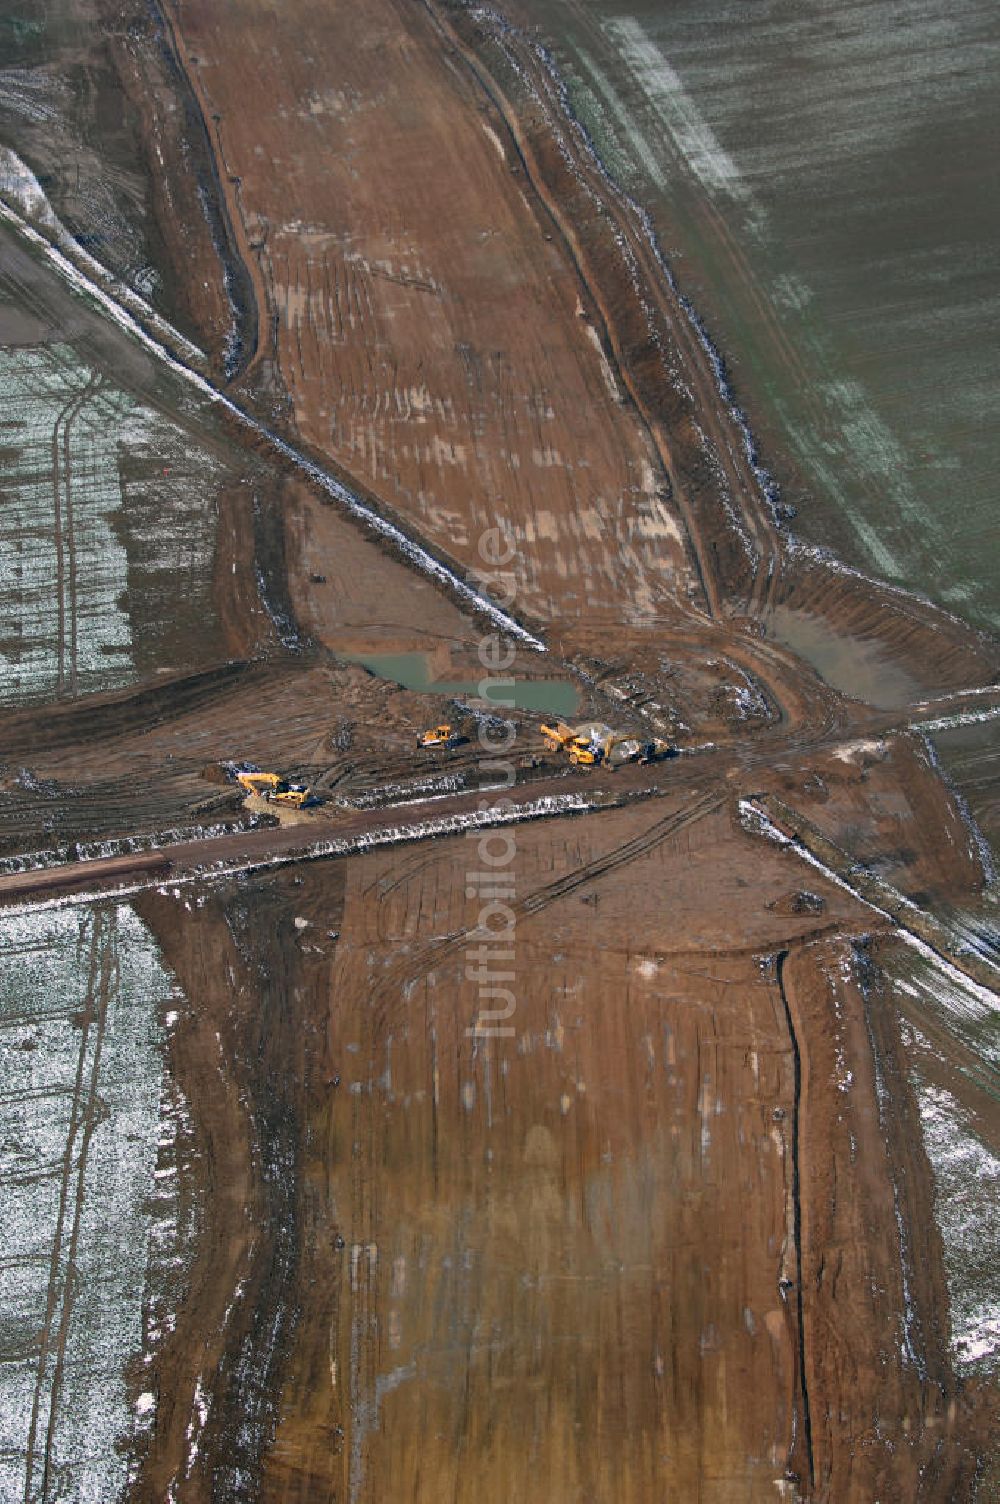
point(490, 1011)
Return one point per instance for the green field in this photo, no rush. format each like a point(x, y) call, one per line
point(824, 180)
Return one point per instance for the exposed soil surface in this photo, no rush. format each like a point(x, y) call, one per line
point(648, 1214)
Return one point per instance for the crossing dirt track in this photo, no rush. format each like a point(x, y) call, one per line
point(671, 1230)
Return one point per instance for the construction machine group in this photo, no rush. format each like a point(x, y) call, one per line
point(595, 743)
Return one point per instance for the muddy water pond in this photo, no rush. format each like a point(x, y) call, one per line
point(851, 664)
point(413, 671)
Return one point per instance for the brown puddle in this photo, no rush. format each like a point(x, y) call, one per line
point(850, 664)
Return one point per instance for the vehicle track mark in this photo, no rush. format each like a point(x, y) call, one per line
point(93, 386)
point(108, 977)
point(58, 1284)
point(65, 538)
point(433, 953)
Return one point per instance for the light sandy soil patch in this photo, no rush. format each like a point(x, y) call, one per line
point(427, 333)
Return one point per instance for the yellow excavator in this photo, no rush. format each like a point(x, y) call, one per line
point(272, 786)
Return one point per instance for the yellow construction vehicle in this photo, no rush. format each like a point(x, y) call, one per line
point(438, 736)
point(620, 750)
point(295, 794)
point(256, 782)
point(583, 754)
point(273, 786)
point(657, 750)
point(595, 743)
point(558, 736)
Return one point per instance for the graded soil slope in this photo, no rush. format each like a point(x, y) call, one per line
point(429, 328)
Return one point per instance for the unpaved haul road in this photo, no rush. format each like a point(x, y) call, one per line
point(336, 834)
point(341, 832)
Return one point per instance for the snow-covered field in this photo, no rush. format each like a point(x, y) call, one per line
point(939, 1007)
point(69, 443)
point(83, 998)
point(967, 1206)
point(62, 570)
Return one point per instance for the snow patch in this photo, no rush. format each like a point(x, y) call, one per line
point(79, 1116)
point(691, 133)
point(967, 1210)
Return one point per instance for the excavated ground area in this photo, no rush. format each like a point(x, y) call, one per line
point(674, 1230)
point(563, 1263)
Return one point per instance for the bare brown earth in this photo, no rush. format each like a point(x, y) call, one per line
point(672, 1237)
point(429, 335)
point(486, 1304)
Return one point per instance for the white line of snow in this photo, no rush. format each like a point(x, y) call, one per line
point(955, 976)
point(976, 689)
point(416, 555)
point(960, 718)
point(18, 183)
point(757, 822)
point(443, 825)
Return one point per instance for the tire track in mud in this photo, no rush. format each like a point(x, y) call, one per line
point(669, 825)
point(60, 547)
point(363, 1380)
point(91, 1118)
point(62, 483)
point(83, 1121)
point(413, 966)
point(63, 535)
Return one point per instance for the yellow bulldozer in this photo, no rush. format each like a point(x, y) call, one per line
point(439, 736)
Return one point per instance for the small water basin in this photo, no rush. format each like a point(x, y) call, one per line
point(558, 697)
